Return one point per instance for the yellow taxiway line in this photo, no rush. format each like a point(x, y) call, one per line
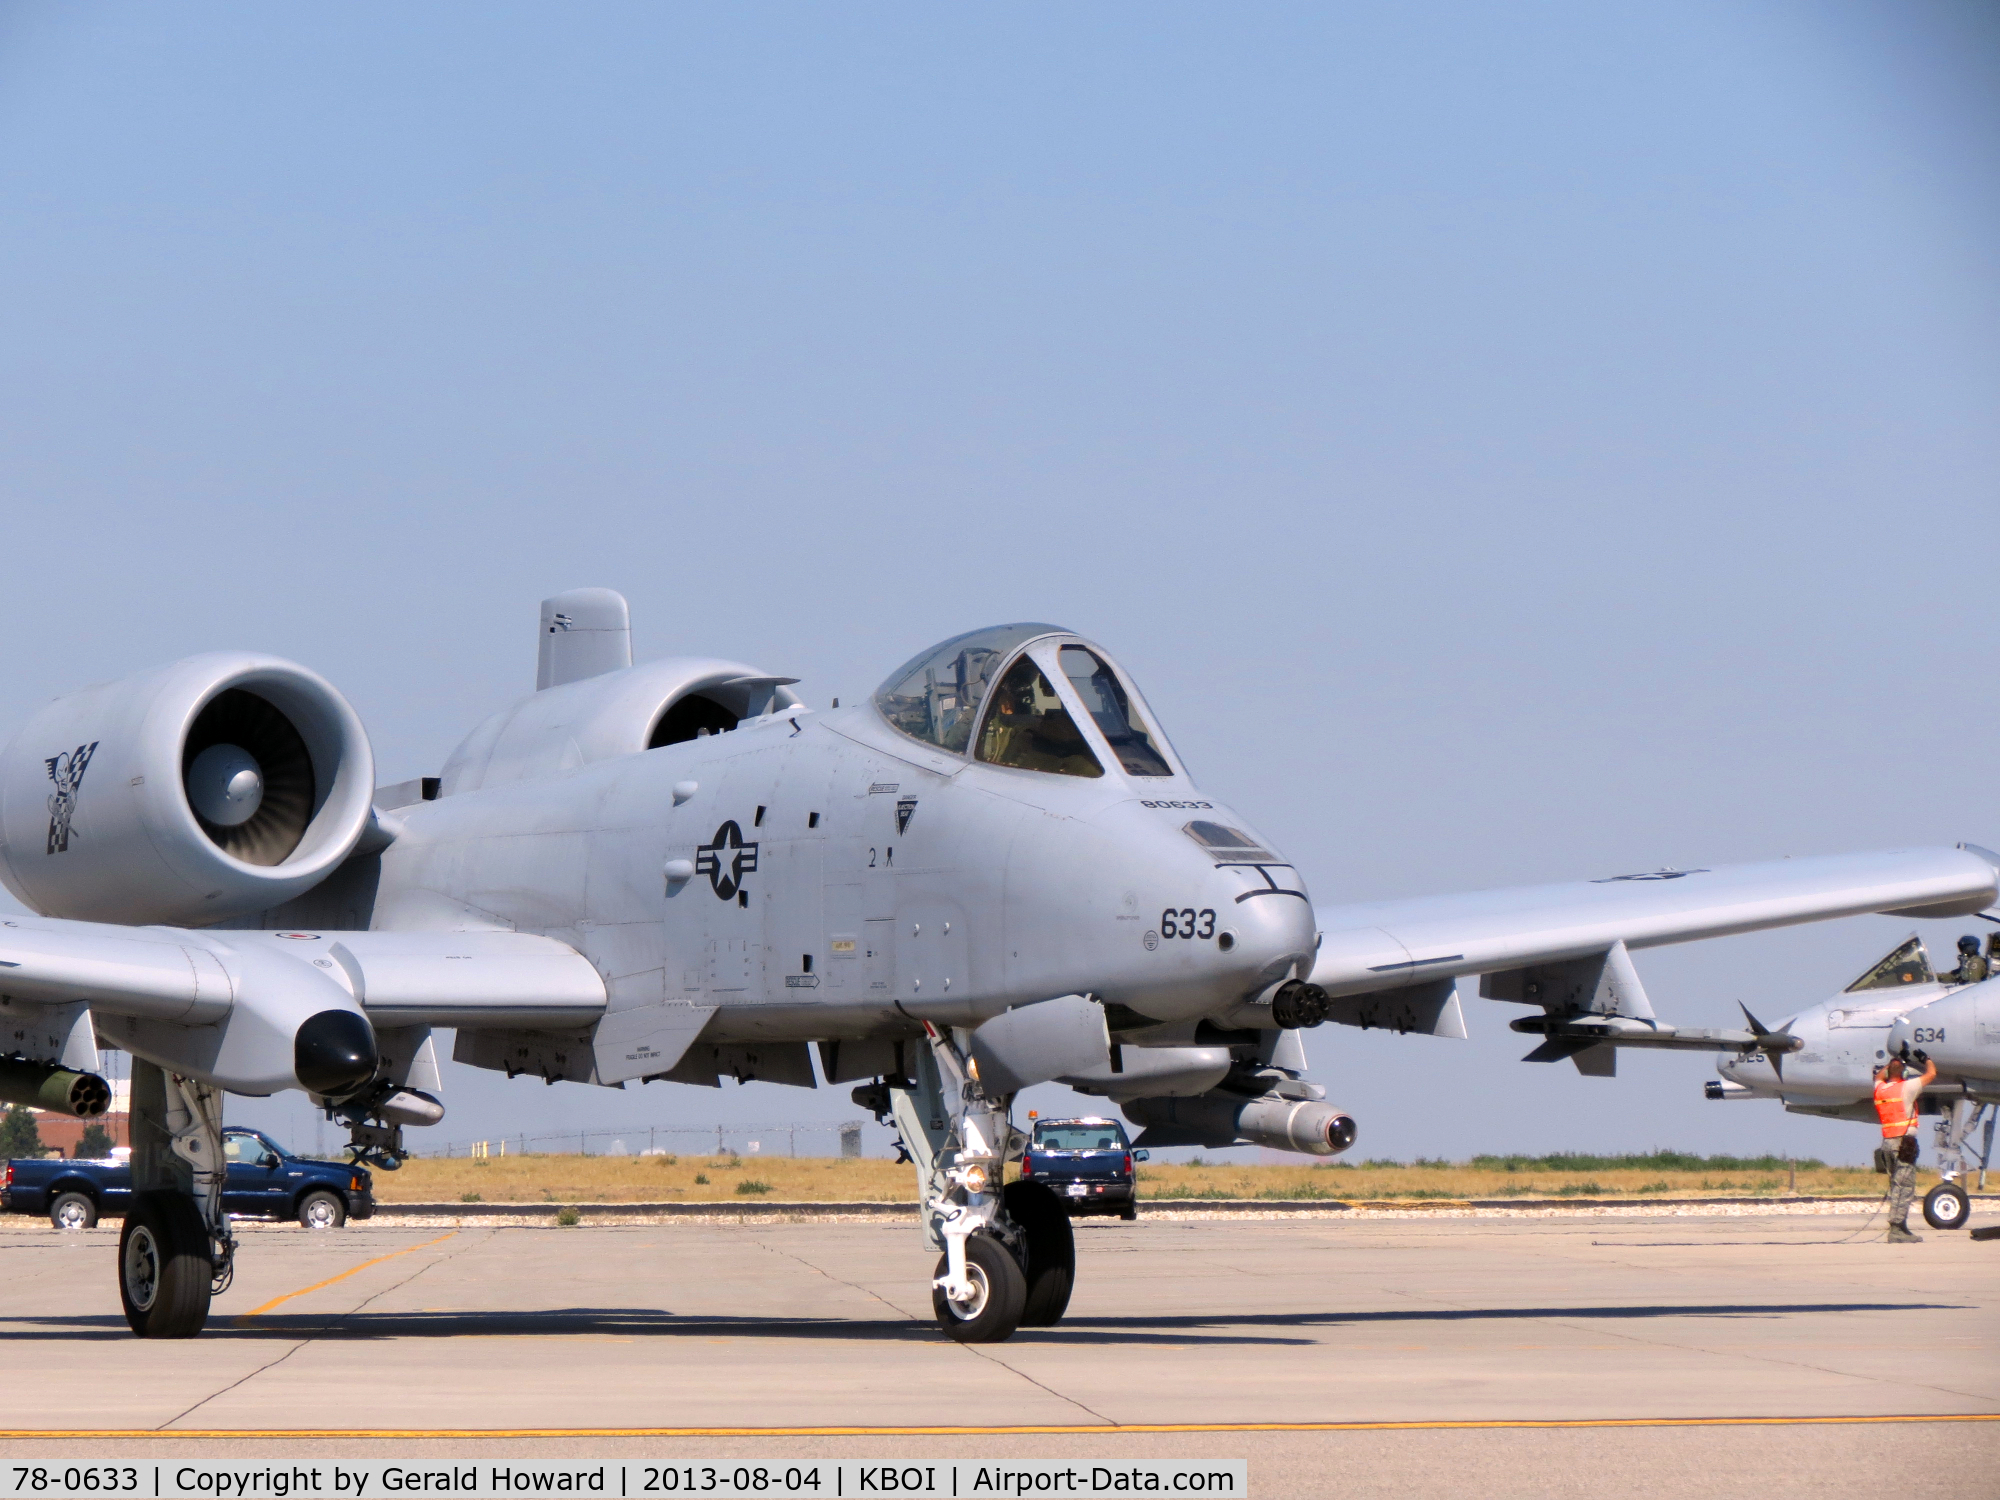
point(257, 1312)
point(994, 1431)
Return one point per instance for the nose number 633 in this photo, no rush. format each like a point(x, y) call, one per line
point(1186, 922)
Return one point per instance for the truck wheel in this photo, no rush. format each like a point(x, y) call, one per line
point(998, 1290)
point(322, 1210)
point(164, 1269)
point(1946, 1206)
point(1051, 1269)
point(73, 1211)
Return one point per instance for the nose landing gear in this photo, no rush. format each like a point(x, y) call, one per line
point(1948, 1206)
point(1008, 1259)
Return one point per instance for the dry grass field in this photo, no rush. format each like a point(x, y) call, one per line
point(809, 1179)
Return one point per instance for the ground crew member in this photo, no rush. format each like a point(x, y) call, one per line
point(1896, 1107)
point(1972, 964)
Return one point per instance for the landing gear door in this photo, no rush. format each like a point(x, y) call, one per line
point(860, 958)
point(794, 925)
point(878, 958)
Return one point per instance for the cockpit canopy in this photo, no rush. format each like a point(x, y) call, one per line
point(1027, 689)
point(1907, 963)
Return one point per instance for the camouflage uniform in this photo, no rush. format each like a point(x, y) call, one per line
point(1902, 1178)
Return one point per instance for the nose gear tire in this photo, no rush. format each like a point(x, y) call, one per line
point(1946, 1206)
point(1051, 1270)
point(164, 1269)
point(999, 1291)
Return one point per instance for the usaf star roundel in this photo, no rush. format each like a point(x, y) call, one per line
point(726, 860)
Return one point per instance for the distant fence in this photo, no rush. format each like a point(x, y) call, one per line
point(847, 1139)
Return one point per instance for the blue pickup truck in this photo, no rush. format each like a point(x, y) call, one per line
point(265, 1182)
point(1087, 1163)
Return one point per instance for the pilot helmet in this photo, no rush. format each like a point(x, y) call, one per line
point(1968, 944)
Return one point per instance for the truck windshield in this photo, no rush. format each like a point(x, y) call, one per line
point(1105, 1137)
point(249, 1149)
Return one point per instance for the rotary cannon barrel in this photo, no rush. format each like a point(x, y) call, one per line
point(50, 1086)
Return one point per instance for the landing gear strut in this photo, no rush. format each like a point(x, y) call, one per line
point(1947, 1206)
point(176, 1251)
point(1007, 1259)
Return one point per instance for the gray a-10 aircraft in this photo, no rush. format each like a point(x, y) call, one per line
point(994, 873)
point(1900, 1008)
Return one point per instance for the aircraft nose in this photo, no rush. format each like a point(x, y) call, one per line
point(1208, 916)
point(1264, 937)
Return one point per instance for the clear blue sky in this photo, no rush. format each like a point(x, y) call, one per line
point(1508, 442)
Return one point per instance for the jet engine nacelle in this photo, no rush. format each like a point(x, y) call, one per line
point(1271, 1120)
point(222, 784)
point(614, 713)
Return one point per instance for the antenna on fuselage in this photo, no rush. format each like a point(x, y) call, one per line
point(585, 633)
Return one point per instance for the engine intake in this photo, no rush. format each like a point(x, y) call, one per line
point(219, 785)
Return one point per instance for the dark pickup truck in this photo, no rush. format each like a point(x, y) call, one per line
point(265, 1182)
point(1085, 1162)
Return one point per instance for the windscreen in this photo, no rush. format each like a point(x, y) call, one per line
point(1104, 697)
point(1106, 1137)
point(935, 697)
point(1027, 727)
point(1908, 964)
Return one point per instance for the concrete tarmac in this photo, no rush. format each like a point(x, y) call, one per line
point(428, 1337)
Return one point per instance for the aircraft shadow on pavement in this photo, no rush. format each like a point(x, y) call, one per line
point(1476, 1314)
point(632, 1322)
point(613, 1322)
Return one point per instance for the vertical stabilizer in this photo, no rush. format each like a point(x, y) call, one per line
point(585, 633)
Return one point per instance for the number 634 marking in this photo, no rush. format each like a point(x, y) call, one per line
point(1186, 922)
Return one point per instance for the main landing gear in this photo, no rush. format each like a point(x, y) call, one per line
point(176, 1251)
point(1008, 1258)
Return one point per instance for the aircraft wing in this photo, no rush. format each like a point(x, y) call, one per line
point(196, 976)
point(237, 1007)
point(1391, 963)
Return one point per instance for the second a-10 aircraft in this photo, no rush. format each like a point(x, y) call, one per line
point(1901, 1007)
point(995, 872)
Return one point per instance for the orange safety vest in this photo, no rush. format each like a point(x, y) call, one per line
point(1897, 1116)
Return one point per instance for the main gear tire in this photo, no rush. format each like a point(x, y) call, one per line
point(1051, 1270)
point(164, 1266)
point(993, 1311)
point(1946, 1206)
